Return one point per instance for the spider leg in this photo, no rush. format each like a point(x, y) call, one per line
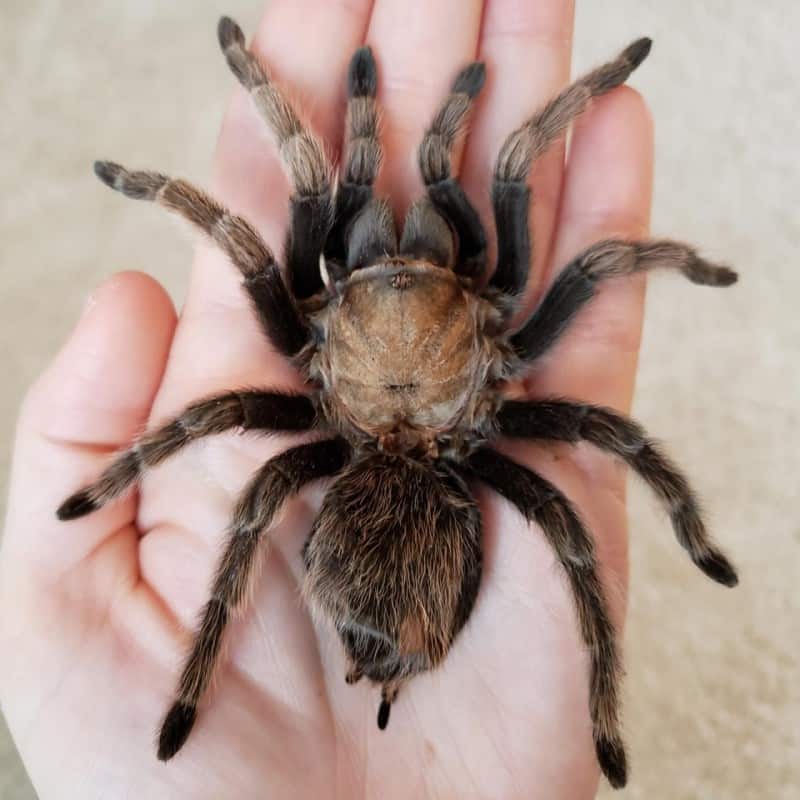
point(427, 235)
point(310, 171)
point(371, 236)
point(353, 675)
point(275, 482)
point(277, 311)
point(362, 154)
point(435, 162)
point(624, 438)
point(577, 284)
point(539, 501)
point(251, 410)
point(510, 192)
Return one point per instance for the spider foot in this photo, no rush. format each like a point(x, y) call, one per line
point(175, 730)
point(613, 761)
point(78, 505)
point(638, 51)
point(718, 568)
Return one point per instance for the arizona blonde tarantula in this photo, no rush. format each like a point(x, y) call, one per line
point(406, 351)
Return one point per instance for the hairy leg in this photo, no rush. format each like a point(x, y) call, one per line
point(279, 316)
point(510, 192)
point(426, 235)
point(304, 156)
point(277, 480)
point(435, 163)
point(574, 422)
point(577, 284)
point(540, 501)
point(362, 153)
point(251, 410)
point(372, 235)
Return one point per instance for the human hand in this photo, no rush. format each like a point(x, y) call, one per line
point(95, 613)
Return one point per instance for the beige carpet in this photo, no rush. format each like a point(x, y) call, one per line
point(713, 690)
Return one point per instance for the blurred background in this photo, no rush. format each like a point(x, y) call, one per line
point(713, 690)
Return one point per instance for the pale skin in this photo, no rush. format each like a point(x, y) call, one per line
point(95, 613)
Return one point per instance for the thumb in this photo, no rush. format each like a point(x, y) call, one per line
point(91, 400)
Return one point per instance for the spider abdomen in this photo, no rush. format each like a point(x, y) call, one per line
point(394, 561)
point(405, 356)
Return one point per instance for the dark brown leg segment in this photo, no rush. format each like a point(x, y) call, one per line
point(510, 192)
point(577, 284)
point(279, 316)
point(539, 501)
point(624, 438)
point(362, 156)
point(435, 162)
point(371, 236)
point(277, 480)
point(251, 410)
point(427, 235)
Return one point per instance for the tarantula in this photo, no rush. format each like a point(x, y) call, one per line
point(405, 352)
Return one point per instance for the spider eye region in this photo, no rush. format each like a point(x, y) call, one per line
point(405, 351)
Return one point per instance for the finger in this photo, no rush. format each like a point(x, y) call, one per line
point(306, 47)
point(419, 47)
point(90, 401)
point(527, 47)
point(607, 193)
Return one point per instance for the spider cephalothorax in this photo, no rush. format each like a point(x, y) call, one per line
point(409, 359)
point(406, 347)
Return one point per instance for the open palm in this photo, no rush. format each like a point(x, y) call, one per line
point(94, 615)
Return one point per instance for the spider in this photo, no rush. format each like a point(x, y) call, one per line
point(406, 349)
